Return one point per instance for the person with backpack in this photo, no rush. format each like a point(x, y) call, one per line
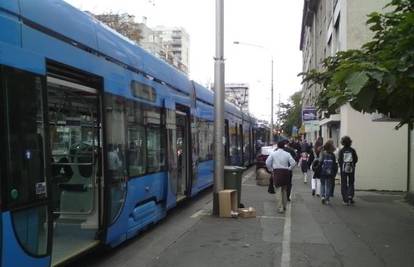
point(316, 181)
point(329, 169)
point(347, 159)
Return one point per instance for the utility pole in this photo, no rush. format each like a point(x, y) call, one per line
point(278, 117)
point(219, 106)
point(271, 105)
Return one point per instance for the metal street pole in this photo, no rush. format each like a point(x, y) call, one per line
point(271, 105)
point(219, 106)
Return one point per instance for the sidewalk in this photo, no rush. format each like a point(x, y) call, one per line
point(377, 231)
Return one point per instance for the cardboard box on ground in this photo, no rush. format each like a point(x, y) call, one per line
point(247, 212)
point(228, 206)
point(227, 203)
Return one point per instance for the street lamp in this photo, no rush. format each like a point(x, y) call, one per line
point(271, 84)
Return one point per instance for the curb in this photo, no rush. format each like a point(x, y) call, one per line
point(409, 197)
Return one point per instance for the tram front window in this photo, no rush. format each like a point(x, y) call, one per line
point(23, 158)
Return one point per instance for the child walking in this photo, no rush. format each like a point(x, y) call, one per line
point(306, 159)
point(304, 165)
point(316, 181)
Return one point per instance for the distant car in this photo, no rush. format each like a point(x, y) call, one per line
point(262, 173)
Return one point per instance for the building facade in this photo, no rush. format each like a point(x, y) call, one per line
point(176, 41)
point(329, 26)
point(170, 44)
point(238, 94)
point(149, 40)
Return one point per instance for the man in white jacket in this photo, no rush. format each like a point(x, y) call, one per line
point(280, 162)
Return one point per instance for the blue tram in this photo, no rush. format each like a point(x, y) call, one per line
point(99, 138)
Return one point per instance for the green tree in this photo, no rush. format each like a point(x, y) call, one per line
point(379, 77)
point(122, 23)
point(290, 113)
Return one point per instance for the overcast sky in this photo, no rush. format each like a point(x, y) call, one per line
point(274, 24)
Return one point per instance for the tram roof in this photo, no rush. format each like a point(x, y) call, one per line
point(88, 32)
point(204, 93)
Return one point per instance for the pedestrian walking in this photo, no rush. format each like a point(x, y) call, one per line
point(292, 152)
point(304, 166)
point(297, 147)
point(329, 169)
point(280, 162)
point(316, 181)
point(304, 146)
point(347, 159)
point(305, 162)
point(318, 146)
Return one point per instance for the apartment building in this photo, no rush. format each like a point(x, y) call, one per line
point(329, 26)
point(170, 44)
point(177, 41)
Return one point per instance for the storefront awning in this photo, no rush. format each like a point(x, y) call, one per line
point(334, 118)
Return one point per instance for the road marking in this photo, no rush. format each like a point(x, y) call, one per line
point(200, 213)
point(271, 217)
point(286, 239)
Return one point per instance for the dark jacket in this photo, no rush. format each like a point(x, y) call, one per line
point(316, 168)
point(341, 156)
point(311, 157)
point(335, 165)
point(290, 151)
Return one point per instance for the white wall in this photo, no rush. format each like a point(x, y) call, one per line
point(381, 149)
point(357, 30)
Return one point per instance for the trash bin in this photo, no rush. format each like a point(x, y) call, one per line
point(233, 180)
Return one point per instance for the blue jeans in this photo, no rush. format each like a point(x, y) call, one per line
point(326, 184)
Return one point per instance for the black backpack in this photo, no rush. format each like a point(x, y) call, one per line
point(328, 165)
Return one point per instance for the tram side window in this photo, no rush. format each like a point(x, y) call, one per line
point(233, 140)
point(156, 148)
point(116, 116)
point(25, 158)
point(136, 148)
point(156, 159)
point(203, 140)
point(246, 142)
point(210, 138)
point(115, 129)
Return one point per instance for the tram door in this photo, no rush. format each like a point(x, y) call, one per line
point(75, 148)
point(182, 145)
